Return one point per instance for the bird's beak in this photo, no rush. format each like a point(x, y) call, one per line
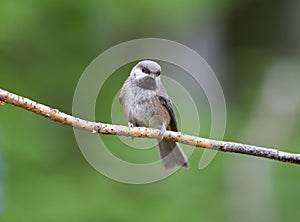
point(153, 75)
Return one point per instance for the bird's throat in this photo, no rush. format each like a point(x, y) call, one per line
point(147, 83)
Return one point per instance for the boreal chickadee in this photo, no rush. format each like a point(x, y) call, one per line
point(146, 103)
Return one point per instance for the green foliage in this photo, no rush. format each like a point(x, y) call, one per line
point(44, 48)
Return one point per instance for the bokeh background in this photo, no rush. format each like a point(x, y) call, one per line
point(253, 47)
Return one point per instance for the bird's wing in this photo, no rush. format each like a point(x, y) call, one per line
point(166, 102)
point(122, 95)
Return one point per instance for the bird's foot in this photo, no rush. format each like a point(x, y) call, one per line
point(130, 125)
point(162, 131)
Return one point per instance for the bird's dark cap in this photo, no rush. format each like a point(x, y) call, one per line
point(149, 66)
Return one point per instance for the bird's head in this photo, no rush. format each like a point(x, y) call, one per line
point(146, 74)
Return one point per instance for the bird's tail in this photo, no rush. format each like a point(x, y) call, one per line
point(171, 154)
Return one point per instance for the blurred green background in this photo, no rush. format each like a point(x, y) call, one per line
point(253, 46)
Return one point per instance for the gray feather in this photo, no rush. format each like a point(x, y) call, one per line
point(146, 103)
point(171, 154)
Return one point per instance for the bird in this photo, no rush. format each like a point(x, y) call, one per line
point(146, 103)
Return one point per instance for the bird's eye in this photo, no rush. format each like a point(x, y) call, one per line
point(157, 73)
point(145, 70)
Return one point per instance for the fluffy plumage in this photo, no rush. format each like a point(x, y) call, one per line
point(146, 103)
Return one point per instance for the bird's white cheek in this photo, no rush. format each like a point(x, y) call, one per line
point(139, 74)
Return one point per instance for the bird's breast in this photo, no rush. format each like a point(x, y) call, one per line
point(145, 108)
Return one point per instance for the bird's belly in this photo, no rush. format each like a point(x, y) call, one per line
point(143, 108)
point(142, 111)
point(148, 112)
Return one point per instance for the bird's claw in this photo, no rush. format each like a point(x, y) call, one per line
point(130, 125)
point(162, 131)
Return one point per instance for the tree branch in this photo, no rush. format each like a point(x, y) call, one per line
point(103, 128)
